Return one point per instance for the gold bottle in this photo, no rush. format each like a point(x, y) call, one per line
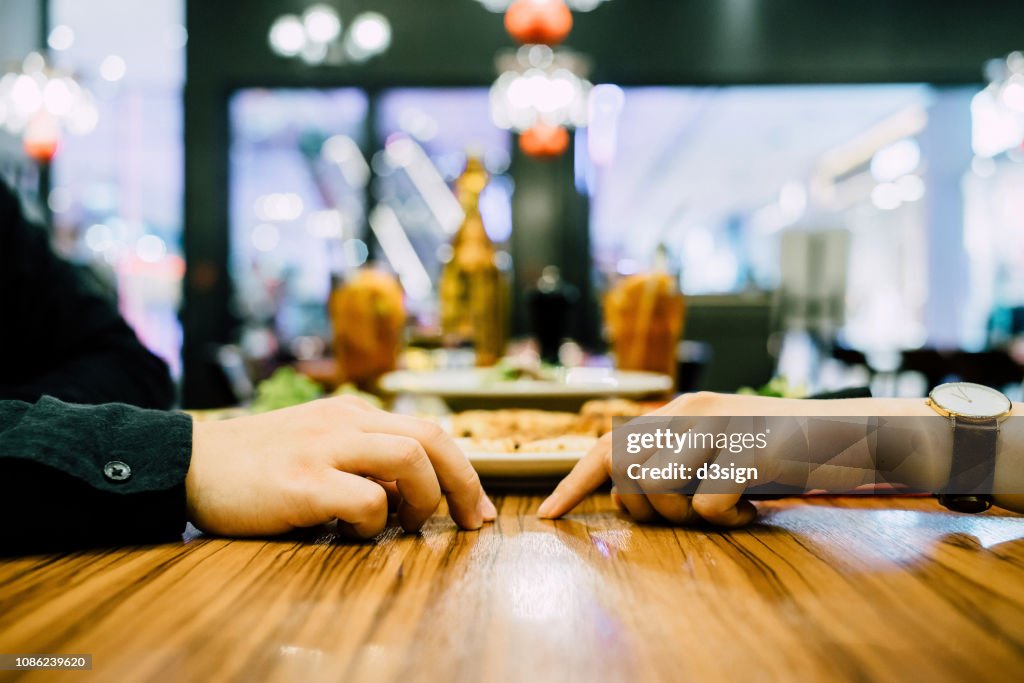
point(474, 297)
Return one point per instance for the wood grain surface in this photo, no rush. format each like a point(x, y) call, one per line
point(835, 589)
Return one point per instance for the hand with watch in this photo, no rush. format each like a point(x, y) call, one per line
point(974, 412)
point(976, 462)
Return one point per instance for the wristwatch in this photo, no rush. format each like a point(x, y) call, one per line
point(974, 411)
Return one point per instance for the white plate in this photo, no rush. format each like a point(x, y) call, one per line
point(465, 389)
point(523, 464)
point(495, 464)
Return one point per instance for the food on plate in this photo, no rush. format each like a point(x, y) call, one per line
point(778, 387)
point(644, 314)
point(511, 369)
point(575, 443)
point(515, 423)
point(540, 431)
point(284, 388)
point(367, 315)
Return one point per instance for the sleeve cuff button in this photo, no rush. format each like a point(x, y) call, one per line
point(115, 470)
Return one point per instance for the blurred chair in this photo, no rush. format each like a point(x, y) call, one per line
point(996, 368)
point(734, 331)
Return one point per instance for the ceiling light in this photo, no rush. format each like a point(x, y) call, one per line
point(113, 68)
point(886, 197)
point(287, 35)
point(61, 37)
point(321, 23)
point(371, 32)
point(895, 160)
point(318, 37)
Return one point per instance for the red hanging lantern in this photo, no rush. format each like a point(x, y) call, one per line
point(40, 137)
point(544, 141)
point(545, 22)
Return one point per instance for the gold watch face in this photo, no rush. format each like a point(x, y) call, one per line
point(965, 399)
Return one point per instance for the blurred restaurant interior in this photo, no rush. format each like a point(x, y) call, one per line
point(835, 188)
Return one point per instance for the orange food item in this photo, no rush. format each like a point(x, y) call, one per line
point(368, 316)
point(644, 315)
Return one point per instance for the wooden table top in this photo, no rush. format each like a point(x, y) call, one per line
point(836, 589)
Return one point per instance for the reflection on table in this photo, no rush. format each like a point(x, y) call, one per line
point(832, 589)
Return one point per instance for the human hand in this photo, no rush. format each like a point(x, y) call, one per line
point(596, 467)
point(335, 458)
point(729, 508)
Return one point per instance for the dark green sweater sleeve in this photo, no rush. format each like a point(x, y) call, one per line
point(59, 336)
point(77, 476)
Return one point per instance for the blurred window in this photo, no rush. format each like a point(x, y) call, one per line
point(322, 181)
point(298, 177)
point(424, 136)
point(717, 175)
point(116, 191)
